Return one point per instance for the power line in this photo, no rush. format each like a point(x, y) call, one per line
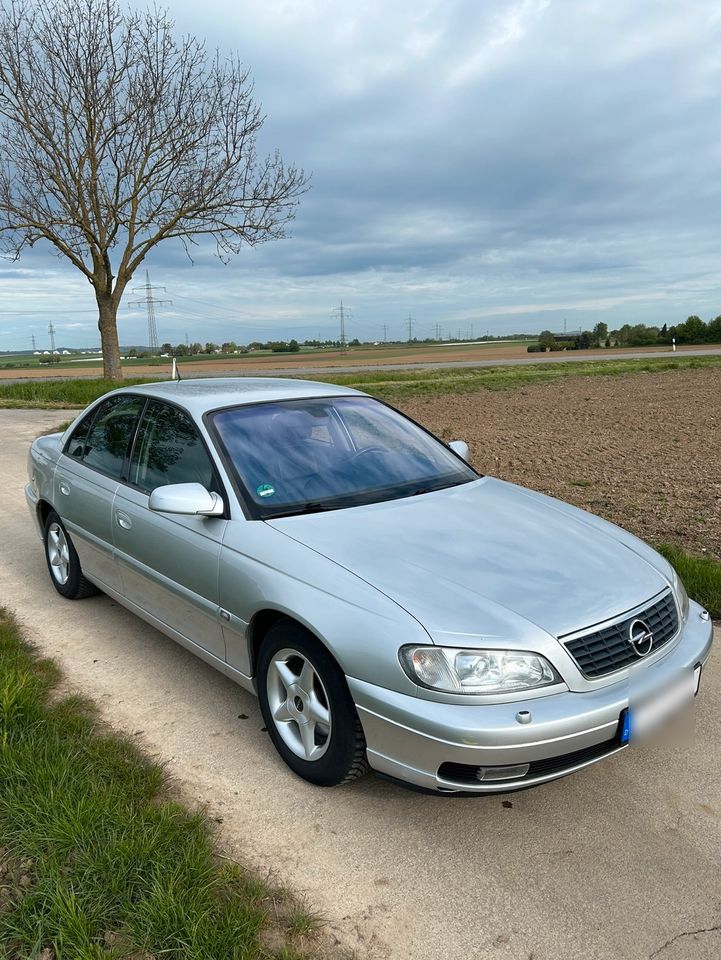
point(150, 302)
point(51, 331)
point(342, 314)
point(411, 322)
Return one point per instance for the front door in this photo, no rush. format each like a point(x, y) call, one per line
point(169, 563)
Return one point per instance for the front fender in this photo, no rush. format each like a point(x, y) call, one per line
point(262, 569)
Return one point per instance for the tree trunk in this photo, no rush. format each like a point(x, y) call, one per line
point(107, 325)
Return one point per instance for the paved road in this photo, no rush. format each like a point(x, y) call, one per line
point(619, 862)
point(251, 370)
point(453, 364)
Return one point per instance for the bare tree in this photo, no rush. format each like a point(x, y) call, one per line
point(115, 135)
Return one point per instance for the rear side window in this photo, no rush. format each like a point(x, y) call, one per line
point(106, 446)
point(169, 450)
point(78, 440)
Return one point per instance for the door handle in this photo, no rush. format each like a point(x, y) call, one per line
point(123, 520)
point(64, 488)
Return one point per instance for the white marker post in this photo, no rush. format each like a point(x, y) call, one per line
point(673, 341)
point(174, 375)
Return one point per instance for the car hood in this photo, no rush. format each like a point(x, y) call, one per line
point(483, 557)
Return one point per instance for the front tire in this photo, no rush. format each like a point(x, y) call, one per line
point(307, 708)
point(63, 563)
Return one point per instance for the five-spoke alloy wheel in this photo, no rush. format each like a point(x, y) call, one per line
point(63, 563)
point(307, 708)
point(299, 703)
point(58, 553)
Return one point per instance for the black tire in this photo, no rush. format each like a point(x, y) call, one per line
point(75, 586)
point(344, 757)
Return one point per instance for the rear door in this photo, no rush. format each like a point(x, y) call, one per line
point(169, 563)
point(86, 478)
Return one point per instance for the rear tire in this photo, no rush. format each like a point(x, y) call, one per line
point(63, 563)
point(307, 707)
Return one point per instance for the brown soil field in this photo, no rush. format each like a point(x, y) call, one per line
point(643, 450)
point(355, 357)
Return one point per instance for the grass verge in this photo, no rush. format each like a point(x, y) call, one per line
point(96, 859)
point(49, 394)
point(389, 385)
point(397, 384)
point(701, 577)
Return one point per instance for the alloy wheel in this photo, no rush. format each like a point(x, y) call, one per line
point(299, 704)
point(58, 553)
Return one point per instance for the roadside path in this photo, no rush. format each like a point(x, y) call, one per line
point(619, 862)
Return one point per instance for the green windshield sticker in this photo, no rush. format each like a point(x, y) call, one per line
point(265, 490)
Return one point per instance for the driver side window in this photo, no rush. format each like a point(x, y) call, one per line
point(169, 450)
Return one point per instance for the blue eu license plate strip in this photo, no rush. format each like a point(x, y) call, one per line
point(625, 732)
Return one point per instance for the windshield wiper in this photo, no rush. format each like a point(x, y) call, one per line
point(433, 487)
point(301, 508)
point(315, 507)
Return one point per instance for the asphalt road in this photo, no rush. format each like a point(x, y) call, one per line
point(560, 357)
point(618, 862)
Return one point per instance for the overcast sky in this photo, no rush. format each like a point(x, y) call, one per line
point(488, 165)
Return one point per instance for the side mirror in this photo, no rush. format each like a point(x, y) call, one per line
point(460, 447)
point(189, 499)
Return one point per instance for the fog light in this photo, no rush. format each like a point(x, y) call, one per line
point(503, 773)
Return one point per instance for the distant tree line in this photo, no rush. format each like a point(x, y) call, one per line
point(228, 347)
point(693, 330)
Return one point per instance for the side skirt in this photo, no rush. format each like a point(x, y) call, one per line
point(248, 683)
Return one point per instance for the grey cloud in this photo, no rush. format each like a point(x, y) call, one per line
point(516, 161)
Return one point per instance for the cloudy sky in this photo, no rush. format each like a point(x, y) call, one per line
point(485, 165)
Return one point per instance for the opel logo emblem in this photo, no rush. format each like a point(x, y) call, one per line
point(640, 638)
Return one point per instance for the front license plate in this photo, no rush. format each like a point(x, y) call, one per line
point(649, 713)
point(625, 731)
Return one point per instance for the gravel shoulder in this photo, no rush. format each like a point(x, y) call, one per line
point(619, 861)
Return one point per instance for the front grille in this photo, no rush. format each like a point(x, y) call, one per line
point(465, 773)
point(603, 651)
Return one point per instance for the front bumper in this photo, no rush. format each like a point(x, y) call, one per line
point(438, 746)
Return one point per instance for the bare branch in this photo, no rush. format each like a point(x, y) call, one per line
point(115, 135)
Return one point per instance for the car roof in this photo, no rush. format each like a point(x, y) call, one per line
point(200, 395)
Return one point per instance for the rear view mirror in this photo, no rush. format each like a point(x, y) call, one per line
point(460, 447)
point(188, 499)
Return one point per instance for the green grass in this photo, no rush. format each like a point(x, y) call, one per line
point(388, 385)
point(49, 394)
point(396, 384)
point(96, 860)
point(701, 577)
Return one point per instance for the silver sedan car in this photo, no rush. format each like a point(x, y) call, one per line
point(389, 606)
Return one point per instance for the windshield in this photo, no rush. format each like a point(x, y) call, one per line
point(302, 456)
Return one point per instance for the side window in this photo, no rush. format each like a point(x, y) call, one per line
point(169, 450)
point(107, 445)
point(77, 443)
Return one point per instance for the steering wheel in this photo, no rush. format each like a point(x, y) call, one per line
point(367, 450)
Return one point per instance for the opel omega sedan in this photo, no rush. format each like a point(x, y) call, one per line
point(389, 606)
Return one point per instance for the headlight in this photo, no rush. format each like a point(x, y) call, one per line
point(476, 671)
point(681, 596)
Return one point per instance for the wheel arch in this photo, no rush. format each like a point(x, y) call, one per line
point(263, 621)
point(44, 508)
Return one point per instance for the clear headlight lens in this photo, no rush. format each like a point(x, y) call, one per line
point(452, 670)
point(681, 596)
